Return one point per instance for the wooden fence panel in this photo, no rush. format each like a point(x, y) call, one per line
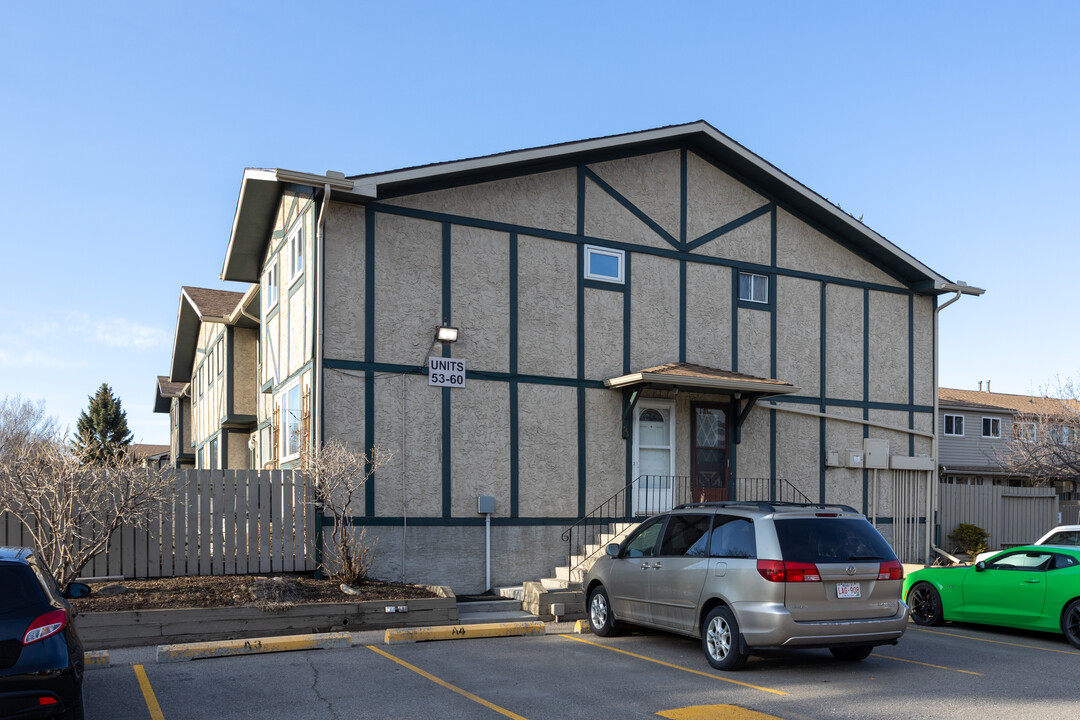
point(286, 526)
point(229, 521)
point(1011, 515)
point(265, 478)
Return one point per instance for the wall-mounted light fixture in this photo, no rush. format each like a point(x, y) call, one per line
point(446, 334)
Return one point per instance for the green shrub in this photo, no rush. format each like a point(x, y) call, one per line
point(970, 538)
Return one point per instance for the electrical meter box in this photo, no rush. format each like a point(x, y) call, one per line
point(485, 504)
point(875, 453)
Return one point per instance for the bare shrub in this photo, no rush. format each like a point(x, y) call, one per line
point(339, 475)
point(71, 510)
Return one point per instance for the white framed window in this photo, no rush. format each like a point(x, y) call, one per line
point(954, 425)
point(604, 264)
point(214, 454)
point(296, 252)
point(753, 287)
point(991, 427)
point(1026, 432)
point(289, 432)
point(271, 287)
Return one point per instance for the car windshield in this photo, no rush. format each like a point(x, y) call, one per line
point(831, 540)
point(20, 589)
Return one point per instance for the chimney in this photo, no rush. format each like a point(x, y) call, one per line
point(987, 386)
point(980, 386)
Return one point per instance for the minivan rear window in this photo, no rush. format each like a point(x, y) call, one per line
point(831, 540)
point(20, 589)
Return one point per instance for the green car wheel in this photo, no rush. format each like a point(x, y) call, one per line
point(925, 604)
point(1070, 623)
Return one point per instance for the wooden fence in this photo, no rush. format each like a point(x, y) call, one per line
point(222, 522)
point(1012, 515)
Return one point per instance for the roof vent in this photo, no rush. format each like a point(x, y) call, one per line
point(335, 174)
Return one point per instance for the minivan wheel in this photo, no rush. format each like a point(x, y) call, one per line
point(852, 653)
point(925, 604)
point(1070, 623)
point(720, 640)
point(600, 617)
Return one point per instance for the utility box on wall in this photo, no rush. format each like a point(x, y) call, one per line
point(875, 453)
point(485, 504)
point(852, 458)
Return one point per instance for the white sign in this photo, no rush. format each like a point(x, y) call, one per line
point(446, 372)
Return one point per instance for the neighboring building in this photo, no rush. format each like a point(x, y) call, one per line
point(154, 456)
point(211, 394)
point(978, 428)
point(662, 305)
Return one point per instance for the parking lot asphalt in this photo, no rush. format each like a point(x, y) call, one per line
point(955, 671)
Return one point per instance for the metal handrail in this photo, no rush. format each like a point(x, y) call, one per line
point(648, 495)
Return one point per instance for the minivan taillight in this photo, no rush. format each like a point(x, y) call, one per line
point(45, 625)
point(780, 571)
point(891, 570)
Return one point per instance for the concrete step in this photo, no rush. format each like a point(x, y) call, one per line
point(485, 606)
point(495, 617)
point(513, 592)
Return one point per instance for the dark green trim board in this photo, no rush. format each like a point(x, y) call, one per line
point(627, 268)
point(734, 320)
point(230, 383)
point(515, 420)
point(447, 475)
point(634, 209)
point(866, 395)
point(672, 253)
point(581, 200)
point(581, 433)
point(911, 370)
point(682, 311)
point(601, 285)
point(823, 388)
point(683, 199)
point(732, 225)
point(369, 357)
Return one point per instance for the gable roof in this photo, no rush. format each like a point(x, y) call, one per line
point(198, 305)
point(166, 391)
point(261, 189)
point(691, 376)
point(1018, 404)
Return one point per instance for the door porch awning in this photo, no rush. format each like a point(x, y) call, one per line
point(744, 389)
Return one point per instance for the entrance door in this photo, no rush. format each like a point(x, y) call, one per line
point(654, 456)
point(710, 454)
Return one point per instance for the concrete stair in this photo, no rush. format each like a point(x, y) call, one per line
point(567, 578)
point(496, 609)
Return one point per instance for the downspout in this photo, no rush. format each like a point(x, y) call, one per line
point(318, 295)
point(934, 441)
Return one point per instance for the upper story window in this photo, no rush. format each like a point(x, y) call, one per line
point(991, 427)
point(604, 264)
point(219, 356)
point(290, 423)
point(954, 425)
point(1026, 432)
point(270, 286)
point(753, 287)
point(296, 252)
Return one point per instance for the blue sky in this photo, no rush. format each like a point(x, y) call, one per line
point(951, 128)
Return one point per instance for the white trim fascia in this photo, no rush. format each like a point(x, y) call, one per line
point(711, 383)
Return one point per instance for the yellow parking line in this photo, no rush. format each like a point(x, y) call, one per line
point(916, 662)
point(715, 712)
point(998, 642)
point(148, 694)
point(448, 686)
point(677, 667)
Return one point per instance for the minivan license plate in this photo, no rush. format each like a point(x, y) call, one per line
point(848, 590)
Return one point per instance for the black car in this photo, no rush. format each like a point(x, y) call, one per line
point(41, 656)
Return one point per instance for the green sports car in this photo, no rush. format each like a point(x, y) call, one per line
point(1031, 587)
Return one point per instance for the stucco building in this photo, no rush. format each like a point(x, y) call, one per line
point(662, 305)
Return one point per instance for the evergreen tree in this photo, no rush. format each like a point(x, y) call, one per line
point(103, 432)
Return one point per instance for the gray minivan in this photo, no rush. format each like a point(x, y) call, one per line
point(746, 576)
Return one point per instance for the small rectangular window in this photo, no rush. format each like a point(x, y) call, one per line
point(991, 427)
point(296, 253)
point(753, 287)
point(270, 287)
point(290, 423)
point(954, 425)
point(213, 455)
point(604, 264)
point(1026, 432)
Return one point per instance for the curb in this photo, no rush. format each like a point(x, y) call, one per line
point(96, 659)
point(459, 632)
point(224, 648)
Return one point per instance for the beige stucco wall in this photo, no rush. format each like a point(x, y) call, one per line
point(603, 334)
point(798, 452)
point(480, 445)
point(244, 375)
point(344, 270)
point(844, 342)
point(923, 312)
point(654, 311)
point(755, 342)
point(548, 451)
point(545, 200)
point(414, 473)
point(480, 296)
point(650, 182)
point(605, 448)
point(888, 347)
point(408, 288)
point(547, 307)
point(798, 333)
point(714, 198)
point(751, 242)
point(708, 313)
